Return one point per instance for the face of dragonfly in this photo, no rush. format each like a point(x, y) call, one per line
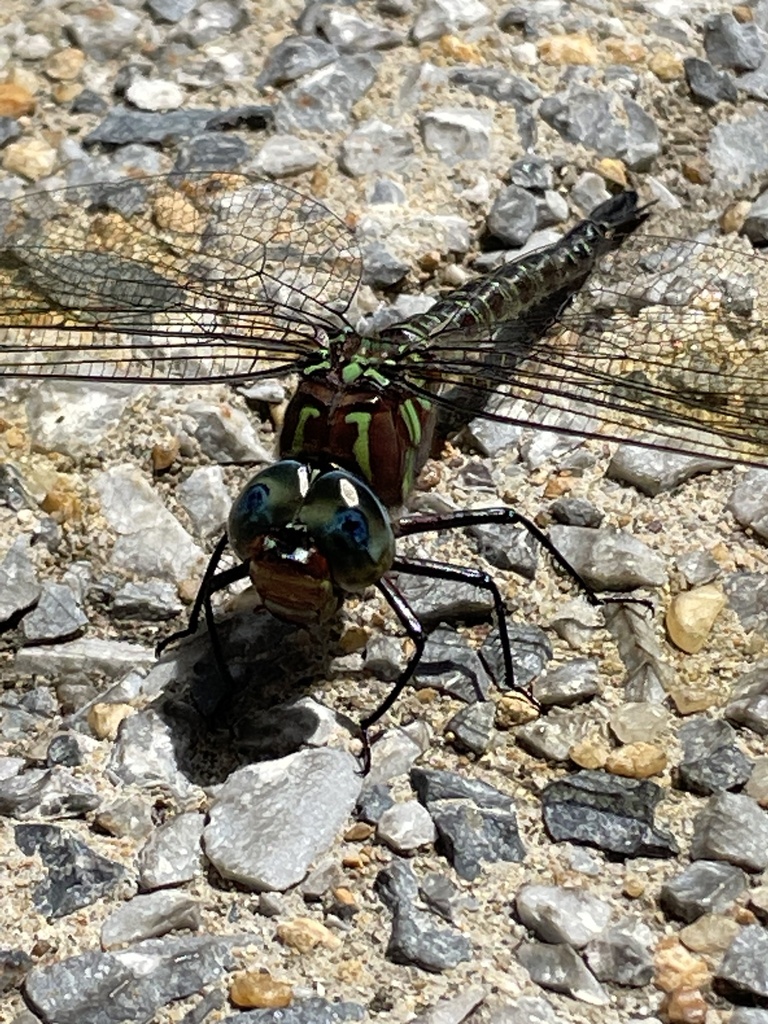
point(310, 536)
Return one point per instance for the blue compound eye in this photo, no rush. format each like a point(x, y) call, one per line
point(269, 500)
point(350, 527)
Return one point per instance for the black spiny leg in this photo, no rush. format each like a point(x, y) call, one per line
point(425, 523)
point(415, 629)
point(209, 585)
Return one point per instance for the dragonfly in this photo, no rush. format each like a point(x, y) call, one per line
point(219, 277)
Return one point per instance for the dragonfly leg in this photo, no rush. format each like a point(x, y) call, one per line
point(415, 629)
point(210, 584)
point(509, 517)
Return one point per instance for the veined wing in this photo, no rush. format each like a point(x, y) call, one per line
point(666, 345)
point(186, 277)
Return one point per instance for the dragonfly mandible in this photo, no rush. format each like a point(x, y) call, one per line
point(225, 277)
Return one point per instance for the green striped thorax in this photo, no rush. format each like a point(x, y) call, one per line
point(345, 409)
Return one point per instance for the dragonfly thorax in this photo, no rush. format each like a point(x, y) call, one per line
point(377, 433)
point(311, 534)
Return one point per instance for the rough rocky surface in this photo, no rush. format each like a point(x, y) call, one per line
point(497, 868)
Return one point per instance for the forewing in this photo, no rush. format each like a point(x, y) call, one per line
point(184, 277)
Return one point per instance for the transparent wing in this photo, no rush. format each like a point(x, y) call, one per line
point(666, 344)
point(185, 277)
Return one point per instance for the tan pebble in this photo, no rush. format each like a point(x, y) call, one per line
point(589, 753)
point(345, 896)
point(65, 65)
point(690, 698)
point(14, 437)
point(668, 67)
point(634, 887)
point(684, 1006)
point(177, 213)
point(696, 169)
point(757, 787)
point(624, 51)
point(758, 901)
point(573, 48)
point(637, 761)
point(164, 455)
point(514, 710)
point(676, 968)
point(104, 719)
point(611, 169)
point(354, 639)
point(304, 933)
point(63, 505)
point(744, 916)
point(188, 590)
point(352, 972)
point(711, 933)
point(15, 100)
point(742, 13)
point(66, 92)
point(354, 861)
point(733, 217)
point(558, 484)
point(31, 158)
point(256, 989)
point(359, 831)
point(691, 616)
point(457, 49)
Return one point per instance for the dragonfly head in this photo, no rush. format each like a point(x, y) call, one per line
point(310, 535)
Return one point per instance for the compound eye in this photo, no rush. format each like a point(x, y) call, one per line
point(268, 501)
point(350, 527)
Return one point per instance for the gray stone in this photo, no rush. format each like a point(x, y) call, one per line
point(145, 753)
point(609, 559)
point(375, 146)
point(654, 471)
point(19, 586)
point(150, 915)
point(568, 684)
point(206, 500)
point(743, 972)
point(609, 812)
point(711, 759)
point(732, 44)
point(282, 156)
point(46, 793)
point(295, 57)
point(406, 826)
point(708, 85)
point(270, 821)
point(415, 937)
point(322, 101)
point(471, 728)
point(622, 955)
point(149, 601)
point(756, 222)
point(736, 151)
point(555, 913)
point(749, 502)
point(457, 134)
point(444, 17)
point(76, 876)
point(732, 827)
point(704, 887)
point(610, 124)
point(106, 657)
point(57, 615)
point(172, 855)
point(560, 969)
point(151, 542)
point(135, 983)
point(513, 216)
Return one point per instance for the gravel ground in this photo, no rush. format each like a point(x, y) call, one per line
point(301, 899)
